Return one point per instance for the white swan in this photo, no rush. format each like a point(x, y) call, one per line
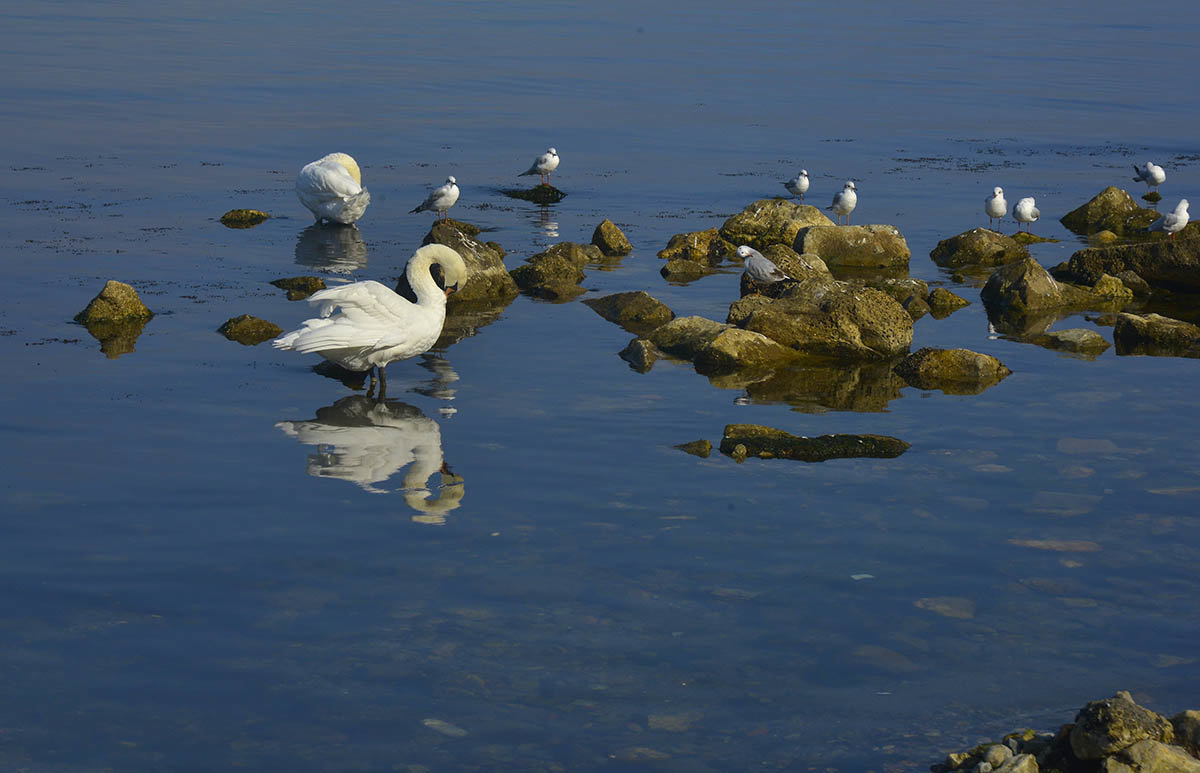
point(375, 326)
point(798, 185)
point(440, 198)
point(1150, 173)
point(543, 165)
point(759, 267)
point(844, 201)
point(995, 206)
point(1172, 222)
point(1026, 212)
point(331, 188)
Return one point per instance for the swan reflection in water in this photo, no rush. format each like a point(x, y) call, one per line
point(366, 441)
point(334, 249)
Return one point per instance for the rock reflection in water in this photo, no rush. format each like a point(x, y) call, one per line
point(117, 338)
point(862, 387)
point(367, 441)
point(335, 249)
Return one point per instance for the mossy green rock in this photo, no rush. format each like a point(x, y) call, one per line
point(539, 194)
point(943, 303)
point(978, 247)
point(249, 330)
point(1025, 238)
point(1024, 287)
point(555, 273)
point(1112, 209)
point(637, 311)
point(299, 287)
point(795, 265)
point(953, 371)
point(1172, 263)
point(1154, 334)
point(875, 247)
point(701, 448)
point(704, 247)
point(1077, 340)
point(611, 240)
point(768, 442)
point(488, 279)
point(735, 349)
point(117, 338)
point(771, 221)
point(243, 218)
point(685, 336)
point(640, 354)
point(1110, 725)
point(681, 270)
point(117, 302)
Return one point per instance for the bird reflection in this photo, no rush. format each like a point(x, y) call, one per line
point(440, 386)
point(335, 249)
point(547, 224)
point(367, 441)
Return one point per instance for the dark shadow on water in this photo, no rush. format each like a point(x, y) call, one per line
point(334, 249)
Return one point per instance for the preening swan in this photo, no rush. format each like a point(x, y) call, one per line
point(374, 326)
point(440, 198)
point(331, 188)
point(543, 165)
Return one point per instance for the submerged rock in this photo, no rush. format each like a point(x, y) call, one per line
point(243, 218)
point(638, 311)
point(771, 221)
point(488, 279)
point(1154, 334)
point(978, 247)
point(1078, 340)
point(943, 303)
point(117, 302)
point(299, 287)
point(875, 247)
point(610, 239)
point(1110, 725)
point(1112, 209)
point(543, 193)
point(1172, 263)
point(641, 355)
point(249, 330)
point(701, 448)
point(953, 371)
point(768, 442)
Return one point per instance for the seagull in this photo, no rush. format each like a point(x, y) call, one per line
point(543, 165)
point(1172, 222)
point(331, 188)
point(1025, 212)
point(798, 185)
point(440, 198)
point(844, 201)
point(376, 326)
point(759, 267)
point(1150, 173)
point(995, 206)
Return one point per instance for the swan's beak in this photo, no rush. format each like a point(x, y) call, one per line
point(451, 290)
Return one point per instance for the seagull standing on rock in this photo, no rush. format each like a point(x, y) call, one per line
point(543, 165)
point(844, 201)
point(995, 206)
point(1172, 222)
point(798, 185)
point(759, 267)
point(1150, 173)
point(1025, 212)
point(440, 198)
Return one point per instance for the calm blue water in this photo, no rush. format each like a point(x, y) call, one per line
point(209, 559)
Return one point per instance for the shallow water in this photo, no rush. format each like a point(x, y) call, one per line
point(210, 557)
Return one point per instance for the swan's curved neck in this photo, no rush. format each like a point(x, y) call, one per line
point(420, 279)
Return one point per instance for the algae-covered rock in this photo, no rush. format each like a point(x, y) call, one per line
point(641, 355)
point(578, 254)
point(900, 289)
point(117, 338)
point(818, 387)
point(834, 319)
point(638, 311)
point(701, 448)
point(685, 336)
point(1156, 335)
point(771, 221)
point(1024, 238)
point(117, 302)
point(681, 270)
point(488, 278)
point(875, 247)
point(1107, 726)
point(768, 442)
point(543, 193)
point(249, 330)
point(1112, 209)
point(610, 239)
point(243, 218)
point(1151, 757)
point(1077, 340)
point(978, 247)
point(954, 371)
point(1025, 286)
point(735, 349)
point(943, 303)
point(555, 273)
point(1172, 263)
point(299, 287)
point(703, 247)
point(1187, 731)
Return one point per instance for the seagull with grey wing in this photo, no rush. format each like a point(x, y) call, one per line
point(543, 165)
point(1172, 222)
point(1025, 212)
point(1150, 173)
point(759, 267)
point(440, 198)
point(798, 185)
point(844, 201)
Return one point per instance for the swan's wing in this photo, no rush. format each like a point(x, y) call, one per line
point(367, 302)
point(327, 178)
